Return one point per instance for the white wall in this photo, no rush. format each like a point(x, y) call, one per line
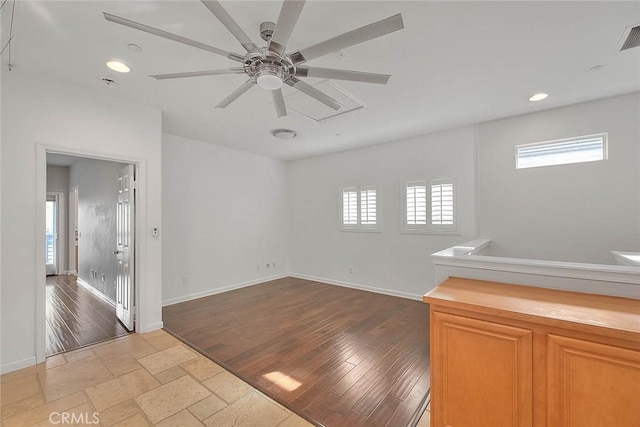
point(58, 182)
point(225, 216)
point(39, 113)
point(573, 212)
point(97, 201)
point(389, 261)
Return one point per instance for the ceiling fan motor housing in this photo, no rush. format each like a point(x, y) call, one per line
point(266, 30)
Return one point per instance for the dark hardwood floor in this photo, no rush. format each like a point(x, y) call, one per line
point(337, 356)
point(75, 317)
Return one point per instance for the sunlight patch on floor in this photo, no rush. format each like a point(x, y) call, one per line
point(281, 380)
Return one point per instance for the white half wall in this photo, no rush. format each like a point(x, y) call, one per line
point(388, 261)
point(40, 114)
point(577, 212)
point(225, 217)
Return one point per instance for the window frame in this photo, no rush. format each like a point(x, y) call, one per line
point(429, 227)
point(605, 150)
point(359, 227)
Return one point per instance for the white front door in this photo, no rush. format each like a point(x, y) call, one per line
point(125, 230)
point(51, 235)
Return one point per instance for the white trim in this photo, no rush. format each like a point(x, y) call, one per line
point(574, 270)
point(17, 365)
point(359, 286)
point(140, 248)
point(359, 227)
point(215, 291)
point(71, 273)
point(95, 292)
point(152, 327)
point(627, 258)
point(574, 276)
point(454, 229)
point(604, 136)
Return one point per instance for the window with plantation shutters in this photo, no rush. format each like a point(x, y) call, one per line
point(350, 206)
point(360, 209)
point(368, 206)
point(430, 206)
point(581, 149)
point(441, 203)
point(416, 193)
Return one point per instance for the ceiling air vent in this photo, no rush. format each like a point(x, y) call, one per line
point(632, 39)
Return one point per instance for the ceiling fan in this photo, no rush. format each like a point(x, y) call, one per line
point(270, 67)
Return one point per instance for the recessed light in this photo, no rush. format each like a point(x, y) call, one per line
point(134, 47)
point(284, 133)
point(538, 97)
point(118, 66)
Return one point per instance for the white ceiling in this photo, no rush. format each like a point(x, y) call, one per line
point(455, 63)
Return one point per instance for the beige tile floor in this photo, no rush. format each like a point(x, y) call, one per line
point(137, 380)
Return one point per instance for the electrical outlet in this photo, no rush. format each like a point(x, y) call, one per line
point(268, 265)
point(350, 270)
point(185, 280)
point(103, 278)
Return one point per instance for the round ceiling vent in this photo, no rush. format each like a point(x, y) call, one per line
point(284, 134)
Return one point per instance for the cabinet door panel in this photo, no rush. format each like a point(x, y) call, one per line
point(591, 384)
point(482, 373)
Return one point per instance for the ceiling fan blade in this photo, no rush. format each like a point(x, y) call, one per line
point(287, 20)
point(223, 16)
point(313, 92)
point(236, 93)
point(351, 38)
point(170, 36)
point(278, 100)
point(332, 73)
point(235, 70)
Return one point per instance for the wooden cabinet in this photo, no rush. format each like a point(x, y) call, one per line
point(509, 355)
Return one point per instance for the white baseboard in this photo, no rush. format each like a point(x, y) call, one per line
point(96, 292)
point(210, 292)
point(152, 327)
point(71, 273)
point(19, 364)
point(358, 286)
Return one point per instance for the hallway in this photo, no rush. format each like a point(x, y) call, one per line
point(75, 317)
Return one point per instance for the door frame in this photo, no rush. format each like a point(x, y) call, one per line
point(71, 232)
point(60, 230)
point(140, 166)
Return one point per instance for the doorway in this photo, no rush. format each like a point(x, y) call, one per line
point(52, 230)
point(90, 285)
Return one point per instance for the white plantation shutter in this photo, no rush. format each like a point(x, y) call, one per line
point(368, 206)
point(416, 206)
point(563, 151)
point(429, 206)
point(442, 212)
point(360, 209)
point(350, 206)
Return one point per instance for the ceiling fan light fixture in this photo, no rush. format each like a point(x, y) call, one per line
point(269, 77)
point(118, 66)
point(269, 82)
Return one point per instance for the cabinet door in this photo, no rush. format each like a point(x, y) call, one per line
point(591, 384)
point(481, 373)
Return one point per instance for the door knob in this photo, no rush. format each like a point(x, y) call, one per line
point(116, 252)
